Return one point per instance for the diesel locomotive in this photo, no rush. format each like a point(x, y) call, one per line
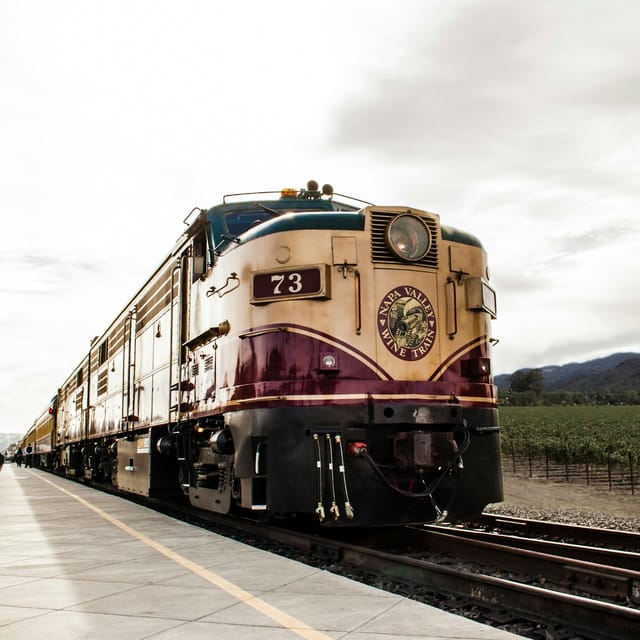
point(301, 354)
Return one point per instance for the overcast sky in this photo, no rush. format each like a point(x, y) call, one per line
point(518, 121)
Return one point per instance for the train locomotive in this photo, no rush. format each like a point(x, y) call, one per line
point(299, 354)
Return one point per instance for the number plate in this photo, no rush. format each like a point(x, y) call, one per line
point(285, 284)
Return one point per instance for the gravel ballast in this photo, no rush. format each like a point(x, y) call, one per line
point(543, 499)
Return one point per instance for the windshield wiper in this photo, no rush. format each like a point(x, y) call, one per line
point(273, 212)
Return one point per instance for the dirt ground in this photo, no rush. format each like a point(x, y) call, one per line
point(536, 493)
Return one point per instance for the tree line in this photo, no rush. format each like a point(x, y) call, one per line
point(526, 388)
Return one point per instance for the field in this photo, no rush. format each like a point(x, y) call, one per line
point(599, 435)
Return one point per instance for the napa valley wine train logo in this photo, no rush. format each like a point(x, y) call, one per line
point(407, 323)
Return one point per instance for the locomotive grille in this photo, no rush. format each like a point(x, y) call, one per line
point(381, 253)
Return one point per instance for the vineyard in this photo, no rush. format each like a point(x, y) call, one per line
point(596, 444)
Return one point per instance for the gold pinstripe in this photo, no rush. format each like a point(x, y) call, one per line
point(360, 396)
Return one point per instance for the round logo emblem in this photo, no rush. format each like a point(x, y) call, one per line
point(407, 323)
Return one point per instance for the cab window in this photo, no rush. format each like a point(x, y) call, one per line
point(199, 254)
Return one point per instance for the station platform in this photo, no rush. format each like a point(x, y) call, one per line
point(78, 563)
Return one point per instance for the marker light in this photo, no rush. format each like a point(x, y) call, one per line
point(328, 361)
point(288, 192)
point(476, 368)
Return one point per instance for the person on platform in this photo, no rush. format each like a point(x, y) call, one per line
point(28, 460)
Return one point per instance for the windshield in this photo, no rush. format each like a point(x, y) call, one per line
point(239, 221)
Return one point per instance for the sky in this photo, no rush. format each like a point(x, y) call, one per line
point(516, 121)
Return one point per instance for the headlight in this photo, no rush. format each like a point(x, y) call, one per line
point(408, 237)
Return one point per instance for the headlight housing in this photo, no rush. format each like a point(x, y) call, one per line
point(408, 237)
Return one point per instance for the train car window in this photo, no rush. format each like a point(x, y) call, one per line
point(104, 352)
point(79, 378)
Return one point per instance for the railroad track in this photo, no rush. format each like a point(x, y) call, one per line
point(562, 591)
point(570, 553)
point(593, 599)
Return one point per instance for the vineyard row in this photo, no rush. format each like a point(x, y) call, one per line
point(612, 475)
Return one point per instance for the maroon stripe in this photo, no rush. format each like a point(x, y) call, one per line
point(321, 335)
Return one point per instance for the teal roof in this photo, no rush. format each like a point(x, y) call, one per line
point(234, 220)
point(235, 223)
point(455, 235)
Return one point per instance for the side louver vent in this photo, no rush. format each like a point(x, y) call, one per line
point(103, 381)
point(79, 398)
point(379, 249)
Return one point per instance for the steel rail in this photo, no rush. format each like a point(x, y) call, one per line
point(606, 581)
point(593, 535)
point(598, 555)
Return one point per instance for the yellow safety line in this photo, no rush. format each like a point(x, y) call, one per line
point(282, 618)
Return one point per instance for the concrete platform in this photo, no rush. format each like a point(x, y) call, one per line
point(76, 563)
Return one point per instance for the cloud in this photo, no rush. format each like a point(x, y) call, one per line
point(532, 89)
point(30, 274)
point(589, 240)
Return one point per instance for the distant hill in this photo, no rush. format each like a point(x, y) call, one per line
point(617, 372)
point(7, 439)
